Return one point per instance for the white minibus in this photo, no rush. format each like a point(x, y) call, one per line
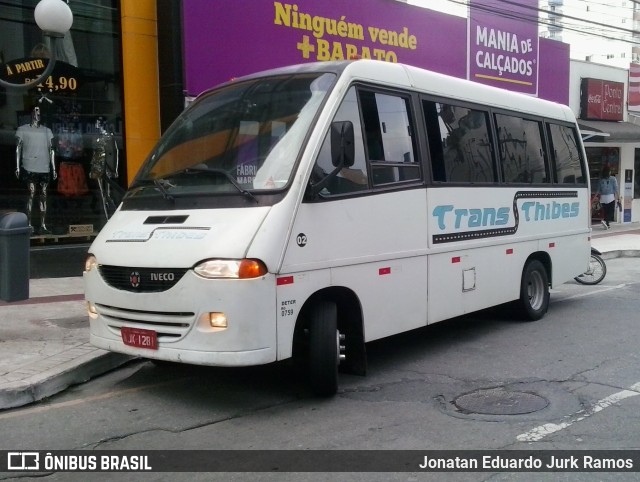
point(305, 211)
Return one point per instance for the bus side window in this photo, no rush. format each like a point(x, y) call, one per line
point(522, 150)
point(389, 138)
point(438, 172)
point(372, 131)
point(461, 152)
point(354, 178)
point(566, 155)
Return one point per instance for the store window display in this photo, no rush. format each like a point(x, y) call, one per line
point(86, 83)
point(104, 165)
point(72, 182)
point(35, 164)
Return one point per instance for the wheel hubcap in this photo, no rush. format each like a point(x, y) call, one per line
point(341, 348)
point(536, 291)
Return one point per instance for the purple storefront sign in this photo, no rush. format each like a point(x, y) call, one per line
point(224, 39)
point(503, 44)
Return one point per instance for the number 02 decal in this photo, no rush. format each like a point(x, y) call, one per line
point(301, 240)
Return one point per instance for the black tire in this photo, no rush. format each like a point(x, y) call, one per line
point(324, 349)
point(596, 272)
point(534, 291)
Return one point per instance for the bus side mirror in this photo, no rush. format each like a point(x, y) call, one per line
point(342, 144)
point(342, 155)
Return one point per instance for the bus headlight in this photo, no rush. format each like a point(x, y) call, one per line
point(90, 263)
point(231, 268)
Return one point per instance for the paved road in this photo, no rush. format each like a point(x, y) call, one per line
point(568, 381)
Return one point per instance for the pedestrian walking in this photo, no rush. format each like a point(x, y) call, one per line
point(608, 194)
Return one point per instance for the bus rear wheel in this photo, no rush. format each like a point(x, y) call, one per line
point(534, 291)
point(324, 349)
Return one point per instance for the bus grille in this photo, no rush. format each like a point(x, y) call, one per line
point(141, 280)
point(169, 326)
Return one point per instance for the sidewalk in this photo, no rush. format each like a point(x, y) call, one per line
point(622, 240)
point(44, 341)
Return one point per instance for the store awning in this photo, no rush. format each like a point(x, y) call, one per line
point(612, 131)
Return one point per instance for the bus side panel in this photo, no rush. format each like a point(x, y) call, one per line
point(570, 248)
point(375, 245)
point(292, 292)
point(569, 256)
point(392, 294)
point(469, 280)
point(482, 237)
point(345, 232)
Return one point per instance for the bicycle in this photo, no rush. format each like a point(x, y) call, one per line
point(596, 272)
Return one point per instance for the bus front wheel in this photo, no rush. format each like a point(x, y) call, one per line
point(324, 349)
point(534, 291)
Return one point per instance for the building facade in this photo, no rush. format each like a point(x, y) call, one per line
point(599, 98)
point(67, 152)
point(129, 66)
point(82, 97)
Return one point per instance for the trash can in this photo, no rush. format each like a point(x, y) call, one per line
point(14, 256)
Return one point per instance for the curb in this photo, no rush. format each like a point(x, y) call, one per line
point(46, 384)
point(621, 253)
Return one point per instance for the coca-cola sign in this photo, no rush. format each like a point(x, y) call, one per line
point(601, 100)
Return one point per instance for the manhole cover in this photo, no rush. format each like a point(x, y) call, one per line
point(498, 401)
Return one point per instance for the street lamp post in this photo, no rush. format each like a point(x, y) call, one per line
point(54, 18)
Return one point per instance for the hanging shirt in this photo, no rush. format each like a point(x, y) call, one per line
point(36, 147)
point(70, 144)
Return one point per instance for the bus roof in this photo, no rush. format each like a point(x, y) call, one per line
point(428, 82)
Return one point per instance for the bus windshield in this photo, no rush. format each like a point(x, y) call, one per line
point(241, 138)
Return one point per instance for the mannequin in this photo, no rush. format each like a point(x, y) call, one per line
point(35, 161)
point(104, 164)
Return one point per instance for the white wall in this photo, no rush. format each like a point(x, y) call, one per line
point(627, 153)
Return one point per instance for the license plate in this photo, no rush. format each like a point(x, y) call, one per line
point(139, 338)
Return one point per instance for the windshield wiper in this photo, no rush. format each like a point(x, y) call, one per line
point(224, 173)
point(162, 185)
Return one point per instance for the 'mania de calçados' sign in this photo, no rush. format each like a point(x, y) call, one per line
point(503, 45)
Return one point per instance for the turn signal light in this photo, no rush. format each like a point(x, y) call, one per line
point(251, 268)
